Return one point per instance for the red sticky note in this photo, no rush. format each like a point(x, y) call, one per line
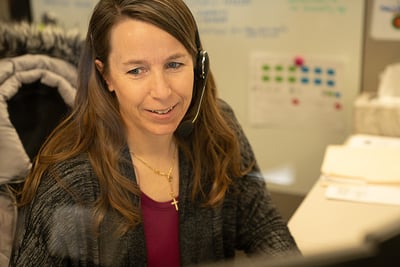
point(298, 61)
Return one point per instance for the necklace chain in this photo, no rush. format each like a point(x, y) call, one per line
point(167, 175)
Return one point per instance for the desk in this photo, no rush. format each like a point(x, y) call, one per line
point(320, 225)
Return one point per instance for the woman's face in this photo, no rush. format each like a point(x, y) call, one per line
point(152, 76)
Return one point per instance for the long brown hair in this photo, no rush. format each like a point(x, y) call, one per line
point(95, 126)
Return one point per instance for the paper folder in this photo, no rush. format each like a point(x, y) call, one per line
point(376, 165)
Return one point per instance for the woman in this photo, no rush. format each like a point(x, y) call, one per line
point(150, 168)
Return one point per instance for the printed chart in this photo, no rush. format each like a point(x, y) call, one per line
point(292, 91)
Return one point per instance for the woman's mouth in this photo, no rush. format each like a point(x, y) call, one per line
point(162, 111)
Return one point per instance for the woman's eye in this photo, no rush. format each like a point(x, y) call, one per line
point(174, 65)
point(136, 71)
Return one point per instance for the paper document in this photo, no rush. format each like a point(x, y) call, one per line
point(364, 193)
point(376, 165)
point(366, 140)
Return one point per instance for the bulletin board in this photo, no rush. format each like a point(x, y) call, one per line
point(291, 70)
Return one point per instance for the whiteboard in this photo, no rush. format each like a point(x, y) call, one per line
point(289, 145)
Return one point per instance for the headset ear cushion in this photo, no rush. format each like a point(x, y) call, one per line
point(202, 64)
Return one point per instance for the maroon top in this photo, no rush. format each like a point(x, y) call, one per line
point(160, 220)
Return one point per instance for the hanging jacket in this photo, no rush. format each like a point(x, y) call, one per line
point(37, 87)
point(33, 89)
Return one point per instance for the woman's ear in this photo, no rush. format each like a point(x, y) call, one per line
point(100, 68)
point(99, 65)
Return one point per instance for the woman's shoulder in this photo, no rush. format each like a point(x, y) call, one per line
point(225, 107)
point(73, 166)
point(229, 115)
point(250, 183)
point(71, 175)
point(244, 143)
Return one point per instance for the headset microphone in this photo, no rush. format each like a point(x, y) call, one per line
point(202, 67)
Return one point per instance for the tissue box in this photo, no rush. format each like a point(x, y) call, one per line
point(389, 82)
point(377, 115)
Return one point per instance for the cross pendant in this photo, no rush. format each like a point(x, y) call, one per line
point(175, 202)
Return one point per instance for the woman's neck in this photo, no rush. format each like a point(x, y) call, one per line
point(152, 147)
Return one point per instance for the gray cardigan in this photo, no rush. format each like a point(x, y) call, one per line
point(56, 229)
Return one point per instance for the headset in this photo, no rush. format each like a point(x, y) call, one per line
point(201, 70)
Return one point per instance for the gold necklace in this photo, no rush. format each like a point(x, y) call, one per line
point(161, 173)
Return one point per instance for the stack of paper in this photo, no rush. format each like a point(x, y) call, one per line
point(369, 173)
point(377, 165)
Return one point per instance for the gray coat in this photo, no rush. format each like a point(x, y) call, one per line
point(16, 74)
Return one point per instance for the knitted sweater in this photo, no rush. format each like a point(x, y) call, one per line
point(56, 229)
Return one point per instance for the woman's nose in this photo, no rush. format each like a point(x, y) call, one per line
point(160, 86)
